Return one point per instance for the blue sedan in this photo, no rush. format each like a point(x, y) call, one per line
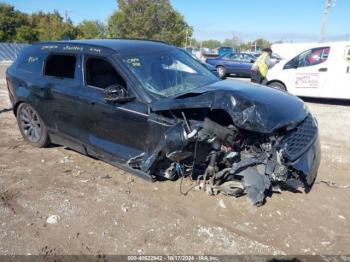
point(236, 63)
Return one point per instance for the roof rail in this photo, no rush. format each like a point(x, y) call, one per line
point(142, 39)
point(110, 38)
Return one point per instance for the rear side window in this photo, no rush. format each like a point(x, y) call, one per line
point(60, 66)
point(32, 62)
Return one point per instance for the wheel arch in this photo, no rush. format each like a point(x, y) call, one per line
point(16, 105)
point(277, 81)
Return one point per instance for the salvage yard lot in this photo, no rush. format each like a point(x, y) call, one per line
point(104, 210)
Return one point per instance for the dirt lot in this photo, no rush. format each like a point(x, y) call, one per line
point(103, 210)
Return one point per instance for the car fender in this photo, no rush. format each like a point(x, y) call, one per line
point(21, 95)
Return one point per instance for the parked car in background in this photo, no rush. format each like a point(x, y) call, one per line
point(235, 63)
point(152, 110)
point(208, 66)
point(225, 50)
point(275, 58)
point(322, 70)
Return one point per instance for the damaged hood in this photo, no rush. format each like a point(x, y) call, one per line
point(252, 107)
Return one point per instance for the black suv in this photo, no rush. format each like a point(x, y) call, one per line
point(153, 110)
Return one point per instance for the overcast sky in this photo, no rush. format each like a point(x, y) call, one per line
point(288, 20)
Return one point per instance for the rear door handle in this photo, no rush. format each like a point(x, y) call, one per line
point(324, 69)
point(348, 69)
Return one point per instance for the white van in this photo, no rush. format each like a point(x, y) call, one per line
point(320, 71)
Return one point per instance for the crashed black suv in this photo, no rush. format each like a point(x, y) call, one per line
point(153, 110)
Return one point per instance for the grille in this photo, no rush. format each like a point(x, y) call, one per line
point(297, 141)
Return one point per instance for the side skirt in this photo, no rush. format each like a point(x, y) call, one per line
point(88, 151)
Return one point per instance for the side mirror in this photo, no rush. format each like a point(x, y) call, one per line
point(117, 94)
point(252, 60)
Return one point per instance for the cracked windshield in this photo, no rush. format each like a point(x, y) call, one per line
point(169, 73)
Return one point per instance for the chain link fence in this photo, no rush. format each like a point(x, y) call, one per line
point(9, 51)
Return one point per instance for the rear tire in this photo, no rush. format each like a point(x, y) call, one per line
point(221, 71)
point(278, 85)
point(32, 126)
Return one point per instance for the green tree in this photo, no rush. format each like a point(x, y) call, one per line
point(90, 29)
point(262, 43)
point(259, 43)
point(25, 34)
point(51, 26)
point(149, 19)
point(233, 42)
point(245, 46)
point(211, 44)
point(193, 42)
point(10, 21)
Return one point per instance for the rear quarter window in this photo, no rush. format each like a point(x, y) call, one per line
point(31, 62)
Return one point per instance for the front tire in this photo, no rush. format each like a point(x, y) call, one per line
point(278, 85)
point(32, 126)
point(221, 71)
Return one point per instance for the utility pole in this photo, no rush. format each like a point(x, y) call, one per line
point(328, 4)
point(67, 15)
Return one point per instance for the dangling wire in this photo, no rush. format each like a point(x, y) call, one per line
point(191, 172)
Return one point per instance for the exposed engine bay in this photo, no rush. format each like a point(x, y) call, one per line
point(224, 159)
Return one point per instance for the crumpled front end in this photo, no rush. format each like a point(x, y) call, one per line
point(235, 138)
point(225, 159)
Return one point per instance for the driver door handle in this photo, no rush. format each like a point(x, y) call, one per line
point(324, 69)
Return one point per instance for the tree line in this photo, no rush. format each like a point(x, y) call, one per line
point(149, 19)
point(234, 42)
point(155, 19)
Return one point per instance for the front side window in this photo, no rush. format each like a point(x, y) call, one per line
point(313, 56)
point(291, 64)
point(168, 73)
point(62, 66)
point(228, 57)
point(236, 57)
point(100, 73)
point(247, 58)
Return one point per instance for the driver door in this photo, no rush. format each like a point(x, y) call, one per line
point(116, 131)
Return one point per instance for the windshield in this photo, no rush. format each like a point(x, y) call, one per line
point(169, 73)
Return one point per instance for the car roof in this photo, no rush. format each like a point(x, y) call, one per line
point(124, 46)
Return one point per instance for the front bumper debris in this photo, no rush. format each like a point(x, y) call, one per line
point(256, 167)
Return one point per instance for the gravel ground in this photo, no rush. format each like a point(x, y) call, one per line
point(56, 201)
